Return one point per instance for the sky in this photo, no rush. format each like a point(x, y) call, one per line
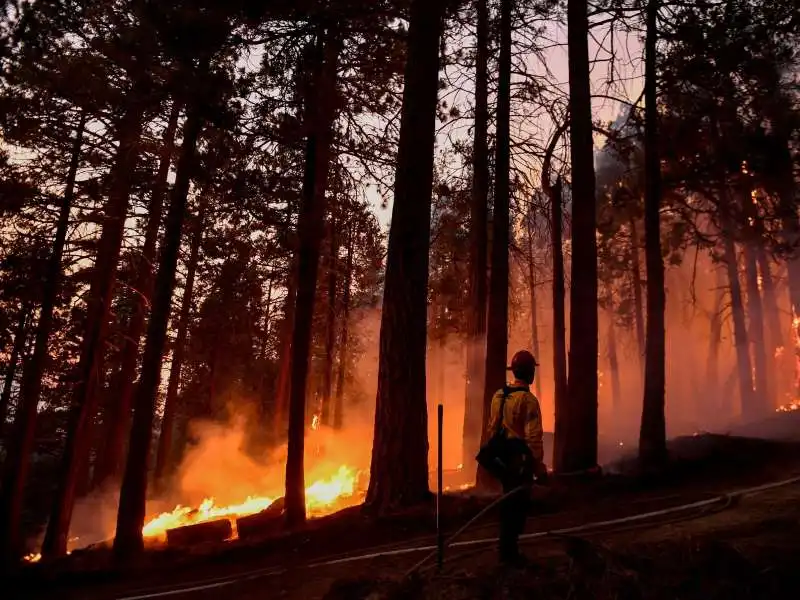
point(620, 78)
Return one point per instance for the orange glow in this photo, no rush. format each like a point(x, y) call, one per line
point(796, 334)
point(323, 497)
point(789, 407)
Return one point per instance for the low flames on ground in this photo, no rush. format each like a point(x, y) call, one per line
point(323, 497)
point(328, 494)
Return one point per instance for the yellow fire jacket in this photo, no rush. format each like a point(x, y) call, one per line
point(522, 418)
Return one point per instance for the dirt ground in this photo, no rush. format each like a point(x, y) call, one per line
point(751, 550)
point(748, 548)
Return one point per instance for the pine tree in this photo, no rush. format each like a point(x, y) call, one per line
point(399, 466)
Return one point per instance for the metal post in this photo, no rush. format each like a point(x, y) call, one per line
point(439, 527)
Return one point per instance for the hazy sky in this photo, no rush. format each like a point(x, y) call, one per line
point(620, 78)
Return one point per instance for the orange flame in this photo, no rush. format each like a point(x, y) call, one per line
point(323, 497)
point(789, 407)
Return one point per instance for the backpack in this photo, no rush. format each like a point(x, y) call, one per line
point(504, 457)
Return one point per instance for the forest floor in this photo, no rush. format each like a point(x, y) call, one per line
point(739, 547)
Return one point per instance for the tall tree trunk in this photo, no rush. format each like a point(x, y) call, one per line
point(746, 394)
point(18, 347)
point(399, 465)
point(122, 384)
point(285, 369)
point(559, 321)
point(771, 311)
point(338, 406)
point(613, 366)
point(534, 308)
point(131, 514)
point(579, 450)
point(764, 386)
point(755, 312)
point(479, 242)
point(715, 339)
point(165, 454)
point(553, 193)
point(497, 319)
point(285, 342)
point(85, 398)
point(20, 443)
point(787, 207)
point(653, 432)
point(266, 410)
point(772, 320)
point(638, 303)
point(310, 227)
point(330, 322)
point(790, 230)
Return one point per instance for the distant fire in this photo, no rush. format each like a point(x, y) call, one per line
point(789, 406)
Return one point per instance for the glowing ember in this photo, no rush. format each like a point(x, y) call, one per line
point(322, 497)
point(796, 332)
point(789, 407)
point(33, 557)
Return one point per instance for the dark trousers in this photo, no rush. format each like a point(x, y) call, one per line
point(513, 513)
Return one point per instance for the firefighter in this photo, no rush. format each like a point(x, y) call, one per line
point(522, 419)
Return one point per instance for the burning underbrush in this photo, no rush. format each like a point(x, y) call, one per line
point(220, 480)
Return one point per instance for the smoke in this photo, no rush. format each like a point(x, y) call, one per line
point(220, 465)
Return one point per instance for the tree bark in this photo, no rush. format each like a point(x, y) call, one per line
point(165, 454)
point(330, 322)
point(638, 303)
point(755, 312)
point(122, 384)
point(747, 397)
point(787, 209)
point(653, 434)
point(579, 450)
point(559, 321)
point(771, 311)
point(285, 345)
point(715, 339)
point(338, 407)
point(399, 465)
point(497, 318)
point(18, 347)
point(553, 193)
point(534, 308)
point(310, 227)
point(131, 514)
point(85, 397)
point(479, 242)
point(20, 443)
point(613, 367)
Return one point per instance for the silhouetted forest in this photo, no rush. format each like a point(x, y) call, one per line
point(316, 213)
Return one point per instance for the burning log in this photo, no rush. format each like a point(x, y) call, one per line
point(267, 521)
point(199, 533)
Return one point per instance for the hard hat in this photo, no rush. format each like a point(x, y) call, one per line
point(523, 362)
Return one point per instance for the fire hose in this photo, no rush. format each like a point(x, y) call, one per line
point(725, 499)
point(207, 584)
